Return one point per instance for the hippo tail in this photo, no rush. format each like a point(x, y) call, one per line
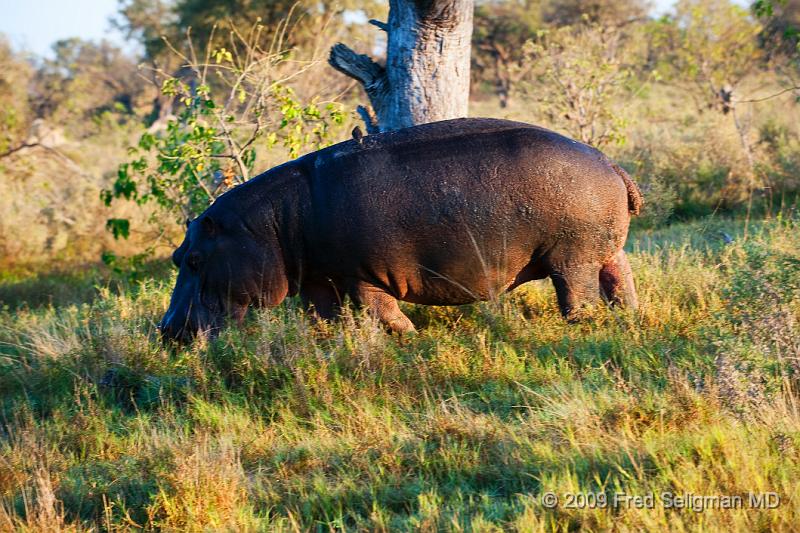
point(635, 198)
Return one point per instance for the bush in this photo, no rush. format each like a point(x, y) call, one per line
point(230, 103)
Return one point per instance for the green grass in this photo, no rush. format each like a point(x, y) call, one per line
point(286, 425)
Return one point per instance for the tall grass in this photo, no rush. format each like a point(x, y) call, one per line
point(290, 425)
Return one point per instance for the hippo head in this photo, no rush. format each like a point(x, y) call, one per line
point(225, 265)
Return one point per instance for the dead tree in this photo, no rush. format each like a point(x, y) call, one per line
point(426, 76)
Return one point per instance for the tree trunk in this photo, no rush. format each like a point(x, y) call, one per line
point(426, 77)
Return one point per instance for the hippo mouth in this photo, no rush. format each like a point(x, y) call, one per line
point(184, 328)
point(198, 322)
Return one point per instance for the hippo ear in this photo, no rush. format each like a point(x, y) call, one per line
point(209, 226)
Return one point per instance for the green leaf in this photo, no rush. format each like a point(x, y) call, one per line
point(120, 227)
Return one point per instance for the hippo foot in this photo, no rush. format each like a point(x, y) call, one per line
point(578, 289)
point(582, 314)
point(402, 326)
point(383, 307)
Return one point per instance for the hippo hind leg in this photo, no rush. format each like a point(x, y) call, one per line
point(576, 286)
point(382, 306)
point(616, 282)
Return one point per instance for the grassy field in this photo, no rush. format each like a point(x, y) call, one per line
point(288, 425)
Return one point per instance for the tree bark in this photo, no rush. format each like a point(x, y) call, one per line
point(426, 76)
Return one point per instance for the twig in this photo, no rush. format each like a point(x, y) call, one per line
point(788, 89)
point(235, 150)
point(369, 120)
point(379, 24)
point(75, 167)
point(208, 52)
point(18, 148)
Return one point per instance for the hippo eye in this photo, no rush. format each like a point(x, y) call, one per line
point(193, 261)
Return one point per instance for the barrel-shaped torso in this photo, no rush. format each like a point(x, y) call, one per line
point(455, 212)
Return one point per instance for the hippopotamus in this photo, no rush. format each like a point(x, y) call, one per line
point(445, 213)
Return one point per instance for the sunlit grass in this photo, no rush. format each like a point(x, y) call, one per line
point(289, 425)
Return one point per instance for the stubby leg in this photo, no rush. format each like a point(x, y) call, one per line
point(324, 298)
point(384, 307)
point(616, 282)
point(576, 286)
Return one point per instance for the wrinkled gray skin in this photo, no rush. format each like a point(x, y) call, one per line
point(440, 214)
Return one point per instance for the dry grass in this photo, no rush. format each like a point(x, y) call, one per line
point(288, 426)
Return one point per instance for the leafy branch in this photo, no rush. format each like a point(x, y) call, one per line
point(233, 101)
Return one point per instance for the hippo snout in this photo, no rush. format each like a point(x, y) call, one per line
point(184, 334)
point(171, 332)
point(184, 328)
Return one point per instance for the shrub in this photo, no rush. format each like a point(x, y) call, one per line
point(231, 102)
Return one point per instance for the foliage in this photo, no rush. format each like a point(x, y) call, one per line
point(81, 83)
point(712, 45)
point(660, 199)
point(61, 121)
point(780, 160)
point(230, 103)
point(714, 48)
point(148, 22)
point(578, 74)
point(780, 36)
point(202, 16)
point(151, 22)
point(498, 40)
point(15, 116)
point(85, 79)
point(612, 13)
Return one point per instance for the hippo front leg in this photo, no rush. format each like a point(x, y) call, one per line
point(382, 306)
point(323, 299)
point(616, 282)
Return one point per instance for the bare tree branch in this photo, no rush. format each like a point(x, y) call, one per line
point(370, 74)
point(67, 160)
point(358, 66)
point(369, 119)
point(381, 25)
point(753, 100)
point(18, 148)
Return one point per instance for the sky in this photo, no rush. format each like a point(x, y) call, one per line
point(34, 25)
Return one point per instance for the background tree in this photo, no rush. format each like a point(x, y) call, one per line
point(578, 76)
point(426, 75)
point(305, 30)
point(86, 78)
point(603, 12)
point(308, 20)
point(498, 39)
point(713, 49)
point(713, 46)
point(780, 37)
point(149, 22)
point(75, 89)
point(15, 114)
